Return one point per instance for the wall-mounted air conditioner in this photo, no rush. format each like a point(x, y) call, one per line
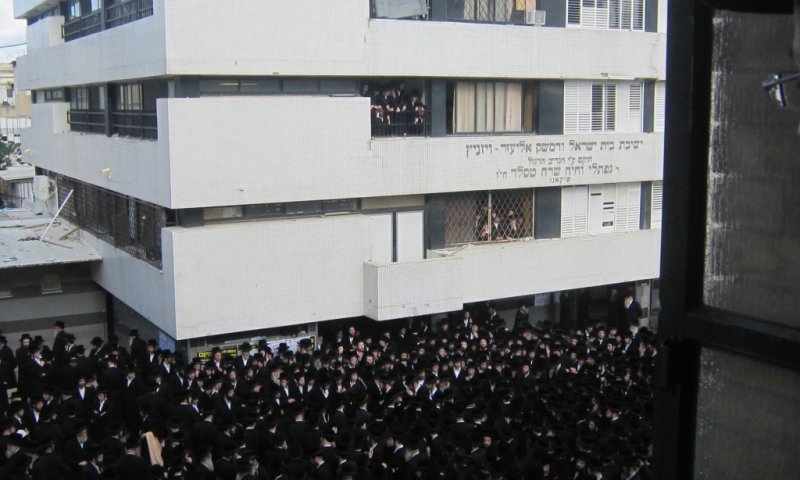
point(536, 18)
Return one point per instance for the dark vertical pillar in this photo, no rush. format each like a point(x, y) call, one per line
point(646, 206)
point(648, 106)
point(439, 10)
point(107, 92)
point(651, 15)
point(556, 12)
point(435, 214)
point(550, 108)
point(547, 213)
point(438, 108)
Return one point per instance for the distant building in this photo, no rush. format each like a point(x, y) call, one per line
point(15, 105)
point(279, 164)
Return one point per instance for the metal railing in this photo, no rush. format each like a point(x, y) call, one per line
point(128, 11)
point(479, 11)
point(400, 124)
point(124, 222)
point(135, 124)
point(115, 15)
point(82, 26)
point(91, 121)
point(501, 215)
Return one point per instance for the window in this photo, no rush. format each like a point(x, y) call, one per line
point(659, 107)
point(221, 213)
point(87, 98)
point(604, 100)
point(262, 86)
point(596, 209)
point(606, 14)
point(488, 216)
point(52, 95)
point(602, 107)
point(129, 97)
point(656, 202)
point(125, 222)
point(51, 283)
point(5, 289)
point(73, 9)
point(491, 106)
point(277, 210)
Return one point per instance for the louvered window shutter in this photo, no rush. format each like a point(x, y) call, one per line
point(659, 106)
point(656, 202)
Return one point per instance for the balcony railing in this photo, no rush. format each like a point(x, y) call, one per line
point(128, 11)
point(91, 121)
point(479, 11)
point(401, 124)
point(115, 15)
point(134, 124)
point(82, 26)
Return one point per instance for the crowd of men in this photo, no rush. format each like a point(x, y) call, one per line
point(473, 397)
point(395, 111)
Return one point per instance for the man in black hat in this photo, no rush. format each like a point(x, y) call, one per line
point(7, 363)
point(133, 388)
point(92, 470)
point(138, 347)
point(244, 360)
point(75, 449)
point(58, 341)
point(132, 466)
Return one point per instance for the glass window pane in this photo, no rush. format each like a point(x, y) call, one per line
point(218, 87)
point(267, 210)
point(747, 418)
point(300, 86)
point(752, 256)
point(260, 86)
point(304, 208)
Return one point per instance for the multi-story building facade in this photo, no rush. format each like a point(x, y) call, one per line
point(284, 163)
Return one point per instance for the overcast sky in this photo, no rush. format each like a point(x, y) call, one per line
point(11, 32)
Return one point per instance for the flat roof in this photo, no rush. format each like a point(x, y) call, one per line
point(20, 230)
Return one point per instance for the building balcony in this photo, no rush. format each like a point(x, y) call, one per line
point(268, 149)
point(409, 289)
point(335, 39)
point(246, 276)
point(512, 269)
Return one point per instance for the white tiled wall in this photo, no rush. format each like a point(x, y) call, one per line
point(289, 37)
point(408, 289)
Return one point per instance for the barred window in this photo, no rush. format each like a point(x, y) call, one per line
point(488, 216)
point(127, 223)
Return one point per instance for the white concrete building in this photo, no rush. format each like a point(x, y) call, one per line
point(233, 178)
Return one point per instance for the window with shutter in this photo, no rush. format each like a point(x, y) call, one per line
point(610, 108)
point(656, 204)
point(570, 107)
point(597, 107)
point(659, 106)
point(574, 13)
point(602, 14)
point(635, 107)
point(592, 107)
point(574, 209)
point(638, 15)
point(628, 198)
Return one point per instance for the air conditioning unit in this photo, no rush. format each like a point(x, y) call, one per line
point(536, 18)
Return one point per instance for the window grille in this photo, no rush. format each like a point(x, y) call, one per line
point(488, 216)
point(127, 223)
